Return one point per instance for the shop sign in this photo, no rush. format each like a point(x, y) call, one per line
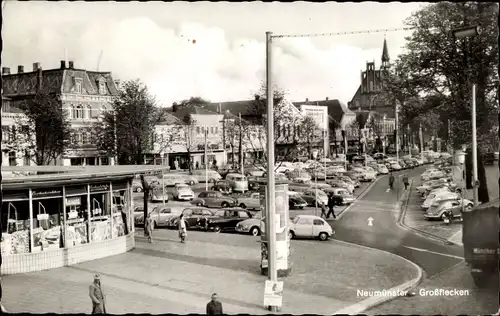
point(73, 201)
point(101, 187)
point(76, 190)
point(118, 186)
point(15, 195)
point(42, 217)
point(273, 293)
point(45, 193)
point(72, 214)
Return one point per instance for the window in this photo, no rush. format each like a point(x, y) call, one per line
point(211, 130)
point(197, 212)
point(12, 158)
point(78, 86)
point(85, 138)
point(243, 214)
point(202, 194)
point(72, 111)
point(216, 130)
point(89, 111)
point(318, 222)
point(102, 86)
point(79, 112)
point(304, 221)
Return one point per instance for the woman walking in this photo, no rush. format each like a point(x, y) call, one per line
point(182, 228)
point(148, 223)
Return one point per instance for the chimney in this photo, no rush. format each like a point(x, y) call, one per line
point(326, 98)
point(257, 97)
point(36, 66)
point(117, 83)
point(20, 69)
point(219, 108)
point(63, 64)
point(307, 100)
point(39, 78)
point(71, 64)
point(5, 71)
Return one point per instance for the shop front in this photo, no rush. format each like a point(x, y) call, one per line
point(53, 223)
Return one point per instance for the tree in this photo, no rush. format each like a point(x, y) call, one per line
point(442, 68)
point(192, 101)
point(45, 132)
point(188, 131)
point(126, 131)
point(308, 133)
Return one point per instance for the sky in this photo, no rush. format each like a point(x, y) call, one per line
point(213, 50)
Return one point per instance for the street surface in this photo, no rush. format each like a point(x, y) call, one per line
point(170, 277)
point(434, 257)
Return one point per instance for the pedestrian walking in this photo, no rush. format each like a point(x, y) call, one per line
point(405, 181)
point(148, 225)
point(215, 165)
point(97, 296)
point(214, 307)
point(182, 229)
point(324, 209)
point(197, 165)
point(391, 181)
point(331, 205)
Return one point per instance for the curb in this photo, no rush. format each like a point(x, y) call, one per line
point(374, 301)
point(401, 223)
point(365, 191)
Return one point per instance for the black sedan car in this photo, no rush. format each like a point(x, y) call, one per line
point(222, 186)
point(253, 183)
point(225, 220)
point(296, 202)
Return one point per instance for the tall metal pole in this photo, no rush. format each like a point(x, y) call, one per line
point(206, 161)
point(421, 139)
point(273, 272)
point(345, 150)
point(408, 139)
point(396, 122)
point(162, 178)
point(242, 162)
point(474, 145)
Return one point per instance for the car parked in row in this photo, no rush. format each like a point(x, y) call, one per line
point(213, 199)
point(224, 220)
point(223, 187)
point(250, 226)
point(310, 226)
point(160, 216)
point(191, 217)
point(441, 209)
point(203, 176)
point(183, 192)
point(249, 202)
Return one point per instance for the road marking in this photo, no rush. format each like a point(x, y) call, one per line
point(370, 221)
point(454, 236)
point(436, 253)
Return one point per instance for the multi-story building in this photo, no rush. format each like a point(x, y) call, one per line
point(84, 95)
point(12, 118)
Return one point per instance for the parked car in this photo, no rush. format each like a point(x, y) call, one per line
point(431, 185)
point(250, 202)
point(172, 179)
point(382, 169)
point(341, 184)
point(227, 170)
point(366, 175)
point(213, 199)
point(158, 195)
point(253, 183)
point(299, 174)
point(310, 226)
point(183, 192)
point(348, 180)
point(139, 212)
point(191, 216)
point(380, 156)
point(342, 197)
point(250, 226)
point(433, 175)
point(237, 182)
point(437, 197)
point(137, 185)
point(255, 172)
point(489, 158)
point(160, 216)
point(224, 220)
point(311, 196)
point(202, 175)
point(394, 167)
point(440, 189)
point(438, 210)
point(295, 201)
point(355, 175)
point(223, 187)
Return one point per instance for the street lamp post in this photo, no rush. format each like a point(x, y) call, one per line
point(460, 158)
point(162, 177)
point(466, 32)
point(206, 161)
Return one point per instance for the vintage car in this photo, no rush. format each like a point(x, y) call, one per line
point(311, 196)
point(348, 180)
point(222, 186)
point(299, 175)
point(295, 201)
point(250, 226)
point(171, 179)
point(191, 216)
point(342, 197)
point(354, 175)
point(438, 196)
point(433, 184)
point(250, 202)
point(213, 199)
point(139, 211)
point(440, 209)
point(223, 220)
point(160, 216)
point(137, 185)
point(310, 226)
point(158, 195)
point(253, 183)
point(183, 192)
point(335, 183)
point(432, 175)
point(203, 175)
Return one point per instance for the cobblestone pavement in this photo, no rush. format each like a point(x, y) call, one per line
point(170, 277)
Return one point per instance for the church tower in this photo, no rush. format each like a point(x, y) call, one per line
point(385, 56)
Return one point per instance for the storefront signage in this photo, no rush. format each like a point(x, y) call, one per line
point(45, 193)
point(42, 217)
point(17, 195)
point(72, 214)
point(119, 186)
point(73, 201)
point(76, 190)
point(101, 187)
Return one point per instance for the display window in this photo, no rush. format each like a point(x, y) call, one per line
point(100, 212)
point(119, 214)
point(77, 222)
point(15, 223)
point(47, 219)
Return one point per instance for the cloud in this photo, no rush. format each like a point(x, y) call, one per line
point(193, 59)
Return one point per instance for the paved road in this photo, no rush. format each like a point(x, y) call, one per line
point(385, 234)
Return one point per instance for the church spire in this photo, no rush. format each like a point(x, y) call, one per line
point(385, 55)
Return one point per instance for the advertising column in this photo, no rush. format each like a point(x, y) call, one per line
point(283, 257)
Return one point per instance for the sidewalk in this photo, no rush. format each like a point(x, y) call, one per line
point(170, 277)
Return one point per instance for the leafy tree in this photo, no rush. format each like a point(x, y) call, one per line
point(192, 101)
point(44, 134)
point(126, 131)
point(188, 131)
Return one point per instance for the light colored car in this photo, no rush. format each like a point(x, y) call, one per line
point(438, 210)
point(139, 212)
point(366, 174)
point(337, 183)
point(371, 174)
point(335, 169)
point(160, 216)
point(433, 175)
point(237, 182)
point(395, 166)
point(158, 195)
point(202, 175)
point(250, 202)
point(437, 197)
point(183, 192)
point(250, 226)
point(213, 199)
point(382, 169)
point(137, 185)
point(310, 226)
point(299, 174)
point(431, 185)
point(437, 190)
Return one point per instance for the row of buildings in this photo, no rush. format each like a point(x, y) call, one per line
point(85, 95)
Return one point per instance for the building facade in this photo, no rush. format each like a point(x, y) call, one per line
point(84, 96)
point(320, 116)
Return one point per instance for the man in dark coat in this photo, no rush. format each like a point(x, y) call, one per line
point(405, 181)
point(391, 181)
point(331, 205)
point(214, 307)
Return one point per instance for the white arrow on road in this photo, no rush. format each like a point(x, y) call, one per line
point(436, 253)
point(370, 221)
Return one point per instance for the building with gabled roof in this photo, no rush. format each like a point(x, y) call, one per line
point(84, 95)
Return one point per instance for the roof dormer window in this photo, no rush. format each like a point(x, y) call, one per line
point(78, 85)
point(102, 86)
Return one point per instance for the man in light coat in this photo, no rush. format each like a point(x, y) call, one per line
point(97, 296)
